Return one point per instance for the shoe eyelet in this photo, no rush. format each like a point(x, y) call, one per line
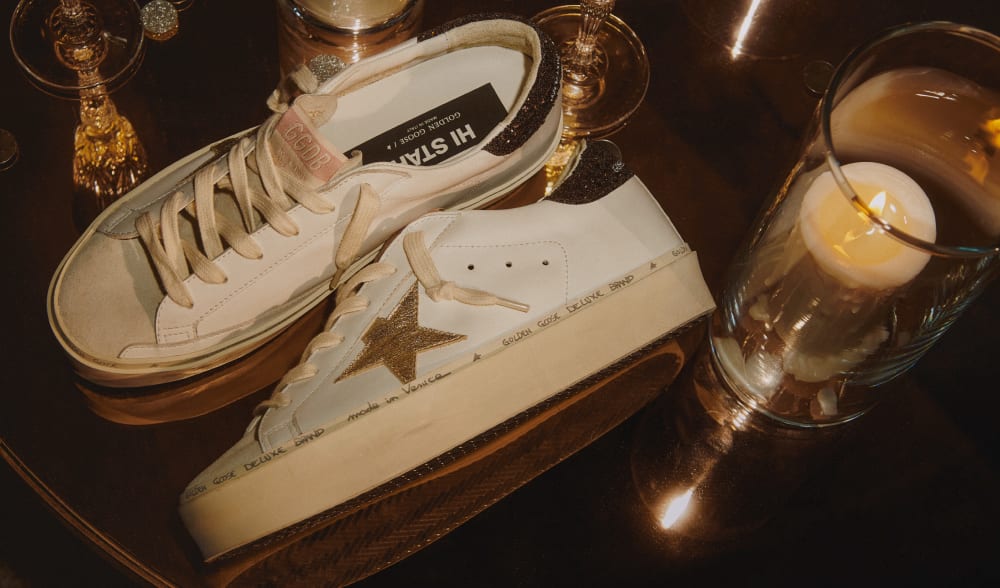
point(471, 267)
point(509, 264)
point(545, 262)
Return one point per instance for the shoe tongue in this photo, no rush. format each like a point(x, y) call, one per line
point(297, 145)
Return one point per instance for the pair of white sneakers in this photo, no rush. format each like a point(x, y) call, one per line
point(447, 324)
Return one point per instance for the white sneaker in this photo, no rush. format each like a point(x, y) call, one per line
point(222, 250)
point(467, 322)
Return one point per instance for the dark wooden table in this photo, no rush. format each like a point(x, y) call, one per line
point(909, 497)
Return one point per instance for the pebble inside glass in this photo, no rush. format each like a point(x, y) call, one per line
point(883, 233)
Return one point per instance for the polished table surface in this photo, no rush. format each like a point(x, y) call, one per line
point(909, 496)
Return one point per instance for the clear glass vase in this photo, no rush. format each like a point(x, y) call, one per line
point(883, 233)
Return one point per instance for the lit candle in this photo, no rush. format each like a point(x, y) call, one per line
point(852, 249)
point(830, 306)
point(823, 290)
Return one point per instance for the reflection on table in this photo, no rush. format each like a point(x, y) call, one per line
point(908, 494)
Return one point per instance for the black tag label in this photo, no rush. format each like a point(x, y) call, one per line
point(438, 134)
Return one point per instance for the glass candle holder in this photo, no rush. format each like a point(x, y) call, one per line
point(885, 230)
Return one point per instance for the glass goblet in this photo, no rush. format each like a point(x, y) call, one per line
point(84, 49)
point(605, 68)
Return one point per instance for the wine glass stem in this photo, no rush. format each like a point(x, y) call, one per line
point(594, 14)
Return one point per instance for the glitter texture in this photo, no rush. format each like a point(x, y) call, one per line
point(541, 99)
point(159, 19)
point(598, 172)
point(395, 341)
point(325, 66)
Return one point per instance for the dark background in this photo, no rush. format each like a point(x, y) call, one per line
point(909, 497)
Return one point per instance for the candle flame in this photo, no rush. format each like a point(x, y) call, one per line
point(866, 228)
point(877, 206)
point(676, 509)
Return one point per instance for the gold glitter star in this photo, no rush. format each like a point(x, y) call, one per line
point(396, 340)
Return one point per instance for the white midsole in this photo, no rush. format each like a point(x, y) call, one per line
point(328, 467)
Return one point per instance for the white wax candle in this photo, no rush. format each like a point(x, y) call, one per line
point(850, 247)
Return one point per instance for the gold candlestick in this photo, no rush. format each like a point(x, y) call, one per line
point(109, 160)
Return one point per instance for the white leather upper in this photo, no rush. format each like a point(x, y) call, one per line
point(556, 252)
point(259, 294)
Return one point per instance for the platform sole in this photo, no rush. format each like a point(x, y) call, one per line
point(405, 439)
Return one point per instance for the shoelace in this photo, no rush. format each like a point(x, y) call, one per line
point(172, 255)
point(348, 301)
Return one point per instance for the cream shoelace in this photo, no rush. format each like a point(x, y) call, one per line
point(172, 255)
point(350, 301)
